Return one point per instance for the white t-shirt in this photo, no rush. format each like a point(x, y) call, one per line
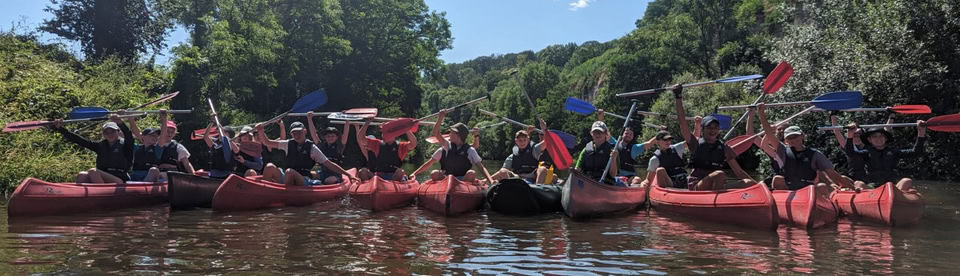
point(315, 152)
point(654, 163)
point(182, 152)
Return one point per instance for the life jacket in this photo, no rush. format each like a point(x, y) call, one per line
point(455, 160)
point(387, 159)
point(145, 157)
point(671, 161)
point(626, 158)
point(112, 159)
point(595, 159)
point(709, 157)
point(881, 165)
point(798, 170)
point(523, 160)
point(298, 157)
point(856, 167)
point(169, 156)
point(216, 159)
point(333, 152)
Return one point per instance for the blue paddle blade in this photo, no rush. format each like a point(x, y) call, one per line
point(227, 151)
point(310, 102)
point(724, 120)
point(86, 112)
point(740, 78)
point(579, 106)
point(839, 100)
point(569, 141)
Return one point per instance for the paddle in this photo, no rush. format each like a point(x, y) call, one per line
point(901, 109)
point(94, 112)
point(433, 139)
point(306, 103)
point(569, 141)
point(776, 79)
point(829, 101)
point(31, 125)
point(944, 123)
point(402, 125)
point(161, 99)
point(626, 123)
point(657, 90)
point(587, 108)
point(363, 112)
point(224, 140)
point(742, 143)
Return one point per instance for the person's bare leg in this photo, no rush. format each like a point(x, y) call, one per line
point(250, 172)
point(82, 177)
point(779, 183)
point(109, 178)
point(470, 176)
point(94, 176)
point(152, 175)
point(436, 175)
point(823, 190)
point(293, 178)
point(364, 174)
point(541, 175)
point(399, 174)
point(663, 179)
point(272, 174)
point(905, 184)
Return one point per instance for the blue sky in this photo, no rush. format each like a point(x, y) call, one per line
point(479, 28)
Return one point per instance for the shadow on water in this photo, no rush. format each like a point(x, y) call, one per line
point(335, 237)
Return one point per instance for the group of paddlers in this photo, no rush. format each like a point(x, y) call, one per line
point(871, 161)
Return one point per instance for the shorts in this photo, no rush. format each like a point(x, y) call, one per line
point(623, 172)
point(529, 180)
point(138, 175)
point(623, 181)
point(119, 174)
point(692, 182)
point(680, 181)
point(307, 181)
point(220, 173)
point(322, 175)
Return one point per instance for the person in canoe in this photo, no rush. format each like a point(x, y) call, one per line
point(250, 157)
point(174, 156)
point(114, 154)
point(331, 144)
point(594, 157)
point(523, 162)
point(709, 153)
point(384, 157)
point(221, 167)
point(856, 168)
point(455, 155)
point(301, 156)
point(800, 165)
point(881, 159)
point(146, 155)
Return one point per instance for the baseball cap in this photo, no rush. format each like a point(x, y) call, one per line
point(461, 130)
point(150, 131)
point(111, 125)
point(709, 120)
point(296, 126)
point(171, 124)
point(331, 130)
point(598, 125)
point(664, 135)
point(245, 130)
point(792, 130)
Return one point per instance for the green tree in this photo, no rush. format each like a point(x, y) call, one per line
point(125, 28)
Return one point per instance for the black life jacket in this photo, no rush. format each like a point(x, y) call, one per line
point(455, 160)
point(881, 165)
point(298, 157)
point(387, 159)
point(216, 159)
point(145, 157)
point(169, 156)
point(856, 167)
point(333, 152)
point(708, 157)
point(671, 161)
point(112, 159)
point(523, 160)
point(626, 158)
point(595, 159)
point(798, 170)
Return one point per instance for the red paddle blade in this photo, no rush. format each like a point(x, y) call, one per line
point(251, 148)
point(198, 134)
point(433, 139)
point(398, 127)
point(777, 78)
point(911, 109)
point(359, 111)
point(558, 152)
point(945, 123)
point(741, 144)
point(163, 98)
point(21, 126)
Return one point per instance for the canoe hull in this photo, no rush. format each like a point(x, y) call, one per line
point(515, 197)
point(885, 204)
point(450, 196)
point(752, 207)
point(378, 194)
point(189, 191)
point(239, 193)
point(805, 208)
point(35, 197)
point(584, 197)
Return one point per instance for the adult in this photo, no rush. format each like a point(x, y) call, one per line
point(523, 161)
point(114, 154)
point(301, 156)
point(456, 157)
point(384, 157)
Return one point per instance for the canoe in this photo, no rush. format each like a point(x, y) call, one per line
point(804, 208)
point(378, 194)
point(239, 193)
point(35, 197)
point(752, 207)
point(450, 196)
point(885, 204)
point(585, 197)
point(189, 191)
point(513, 196)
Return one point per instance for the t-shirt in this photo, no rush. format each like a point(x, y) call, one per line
point(471, 154)
point(635, 150)
point(654, 162)
point(403, 147)
point(315, 152)
point(819, 162)
point(182, 151)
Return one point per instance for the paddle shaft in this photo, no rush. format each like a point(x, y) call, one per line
point(768, 105)
point(533, 108)
point(884, 125)
point(648, 113)
point(375, 123)
point(161, 99)
point(216, 118)
point(501, 118)
point(456, 106)
point(616, 147)
point(750, 140)
point(688, 85)
point(744, 116)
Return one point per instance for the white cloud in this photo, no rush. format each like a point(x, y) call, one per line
point(579, 4)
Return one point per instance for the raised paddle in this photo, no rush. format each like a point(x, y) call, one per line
point(365, 112)
point(224, 140)
point(626, 123)
point(586, 108)
point(776, 79)
point(830, 101)
point(433, 139)
point(742, 143)
point(901, 109)
point(94, 112)
point(30, 125)
point(306, 103)
point(559, 154)
point(569, 140)
point(163, 98)
point(944, 123)
point(402, 125)
point(688, 85)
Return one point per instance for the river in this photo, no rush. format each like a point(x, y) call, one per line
point(337, 238)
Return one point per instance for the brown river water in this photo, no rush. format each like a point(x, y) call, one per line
point(338, 238)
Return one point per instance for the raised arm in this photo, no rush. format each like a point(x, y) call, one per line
point(697, 127)
point(681, 114)
point(476, 138)
point(346, 133)
point(283, 130)
point(436, 129)
point(362, 139)
point(836, 132)
point(163, 123)
point(749, 124)
point(412, 139)
point(543, 137)
point(263, 138)
point(918, 148)
point(134, 130)
point(206, 135)
point(311, 128)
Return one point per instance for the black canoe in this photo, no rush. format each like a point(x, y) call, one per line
point(187, 191)
point(515, 197)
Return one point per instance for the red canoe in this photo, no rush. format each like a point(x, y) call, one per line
point(751, 207)
point(804, 208)
point(240, 193)
point(35, 197)
point(585, 197)
point(885, 204)
point(378, 194)
point(450, 196)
